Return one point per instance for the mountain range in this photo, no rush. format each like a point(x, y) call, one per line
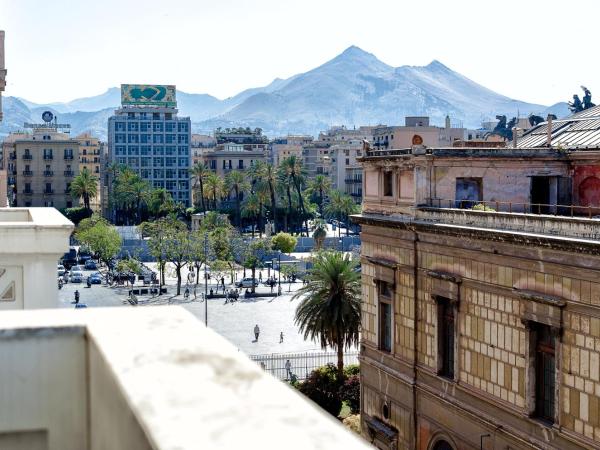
point(354, 88)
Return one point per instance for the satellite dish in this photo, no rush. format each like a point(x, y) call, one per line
point(47, 116)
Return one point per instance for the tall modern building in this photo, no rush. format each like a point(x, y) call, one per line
point(147, 136)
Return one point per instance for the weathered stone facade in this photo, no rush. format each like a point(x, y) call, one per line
point(479, 298)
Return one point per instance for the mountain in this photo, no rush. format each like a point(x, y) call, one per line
point(354, 88)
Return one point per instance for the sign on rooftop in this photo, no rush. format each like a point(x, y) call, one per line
point(148, 94)
point(49, 122)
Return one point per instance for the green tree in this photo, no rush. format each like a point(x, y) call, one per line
point(329, 309)
point(84, 186)
point(100, 237)
point(251, 208)
point(235, 182)
point(292, 166)
point(320, 233)
point(215, 187)
point(199, 172)
point(160, 203)
point(340, 206)
point(284, 242)
point(129, 194)
point(319, 186)
point(267, 174)
point(253, 255)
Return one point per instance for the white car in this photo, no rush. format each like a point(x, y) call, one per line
point(61, 270)
point(76, 276)
point(247, 282)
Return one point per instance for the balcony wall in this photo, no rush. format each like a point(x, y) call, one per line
point(144, 378)
point(32, 241)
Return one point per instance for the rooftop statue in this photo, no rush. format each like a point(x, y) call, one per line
point(575, 106)
point(504, 129)
point(535, 120)
point(587, 98)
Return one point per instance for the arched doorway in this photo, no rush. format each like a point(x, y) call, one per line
point(442, 445)
point(589, 192)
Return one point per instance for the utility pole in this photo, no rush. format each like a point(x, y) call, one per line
point(206, 279)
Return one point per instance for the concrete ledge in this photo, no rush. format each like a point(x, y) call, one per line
point(156, 378)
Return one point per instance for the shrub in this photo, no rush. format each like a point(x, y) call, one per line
point(351, 369)
point(284, 242)
point(482, 207)
point(350, 393)
point(322, 387)
point(353, 423)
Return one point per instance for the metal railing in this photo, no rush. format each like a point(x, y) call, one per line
point(27, 173)
point(27, 156)
point(301, 364)
point(69, 173)
point(516, 207)
point(48, 173)
point(48, 156)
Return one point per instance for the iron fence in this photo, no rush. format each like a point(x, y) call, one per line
point(301, 364)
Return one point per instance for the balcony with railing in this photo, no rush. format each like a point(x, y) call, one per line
point(68, 156)
point(48, 156)
point(48, 173)
point(27, 173)
point(27, 156)
point(69, 173)
point(146, 378)
point(353, 180)
point(576, 221)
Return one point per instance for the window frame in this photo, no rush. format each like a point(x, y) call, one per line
point(385, 301)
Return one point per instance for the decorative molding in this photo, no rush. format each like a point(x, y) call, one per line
point(445, 276)
point(546, 299)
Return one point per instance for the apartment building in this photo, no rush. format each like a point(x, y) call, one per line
point(3, 173)
point(290, 145)
point(148, 136)
point(200, 144)
point(41, 166)
point(91, 150)
point(346, 170)
point(481, 294)
point(417, 131)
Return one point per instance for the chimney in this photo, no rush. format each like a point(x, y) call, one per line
point(514, 131)
point(549, 131)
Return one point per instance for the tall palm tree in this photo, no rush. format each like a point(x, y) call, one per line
point(320, 186)
point(215, 187)
point(292, 166)
point(236, 182)
point(199, 172)
point(348, 206)
point(329, 310)
point(84, 186)
point(335, 207)
point(284, 182)
point(251, 208)
point(267, 173)
point(261, 190)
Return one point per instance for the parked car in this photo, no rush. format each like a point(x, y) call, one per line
point(95, 278)
point(84, 256)
point(76, 276)
point(78, 268)
point(61, 270)
point(247, 282)
point(90, 265)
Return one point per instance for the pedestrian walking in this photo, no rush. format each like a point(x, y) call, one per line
point(288, 369)
point(260, 276)
point(279, 290)
point(76, 297)
point(263, 366)
point(256, 331)
point(281, 337)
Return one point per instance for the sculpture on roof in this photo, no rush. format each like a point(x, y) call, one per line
point(577, 105)
point(503, 128)
point(587, 98)
point(535, 120)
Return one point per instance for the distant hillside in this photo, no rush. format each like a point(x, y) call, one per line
point(354, 88)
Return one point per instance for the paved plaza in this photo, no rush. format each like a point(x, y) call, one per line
point(235, 321)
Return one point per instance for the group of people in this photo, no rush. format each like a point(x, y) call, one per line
point(232, 296)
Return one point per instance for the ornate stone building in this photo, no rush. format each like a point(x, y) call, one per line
point(481, 317)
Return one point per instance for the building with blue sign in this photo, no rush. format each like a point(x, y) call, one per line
point(148, 136)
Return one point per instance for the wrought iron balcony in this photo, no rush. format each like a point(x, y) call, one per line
point(48, 156)
point(48, 173)
point(27, 156)
point(353, 180)
point(68, 156)
point(27, 173)
point(69, 173)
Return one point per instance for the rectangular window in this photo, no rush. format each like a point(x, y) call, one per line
point(446, 338)
point(241, 164)
point(545, 372)
point(385, 315)
point(388, 184)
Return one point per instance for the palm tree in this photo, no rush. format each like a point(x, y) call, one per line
point(199, 172)
point(215, 187)
point(348, 206)
point(251, 208)
point(284, 182)
point(267, 173)
point(320, 186)
point(292, 166)
point(84, 186)
point(264, 200)
point(320, 233)
point(236, 182)
point(329, 310)
point(335, 207)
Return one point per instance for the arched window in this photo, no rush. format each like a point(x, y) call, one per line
point(442, 445)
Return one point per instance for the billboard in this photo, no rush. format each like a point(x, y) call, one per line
point(148, 94)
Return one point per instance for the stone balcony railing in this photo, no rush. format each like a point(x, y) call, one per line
point(563, 226)
point(144, 378)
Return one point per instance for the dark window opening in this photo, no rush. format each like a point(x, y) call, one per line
point(385, 316)
point(545, 372)
point(468, 192)
point(446, 338)
point(388, 184)
point(540, 195)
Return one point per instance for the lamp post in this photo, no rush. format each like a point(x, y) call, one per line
point(279, 270)
point(206, 279)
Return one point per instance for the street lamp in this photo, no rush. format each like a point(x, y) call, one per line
point(279, 270)
point(206, 279)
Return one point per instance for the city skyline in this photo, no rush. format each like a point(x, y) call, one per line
point(95, 47)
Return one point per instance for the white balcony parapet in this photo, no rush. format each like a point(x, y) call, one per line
point(144, 378)
point(31, 242)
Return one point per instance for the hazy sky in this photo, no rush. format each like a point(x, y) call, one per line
point(538, 51)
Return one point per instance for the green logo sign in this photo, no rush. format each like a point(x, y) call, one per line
point(148, 94)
